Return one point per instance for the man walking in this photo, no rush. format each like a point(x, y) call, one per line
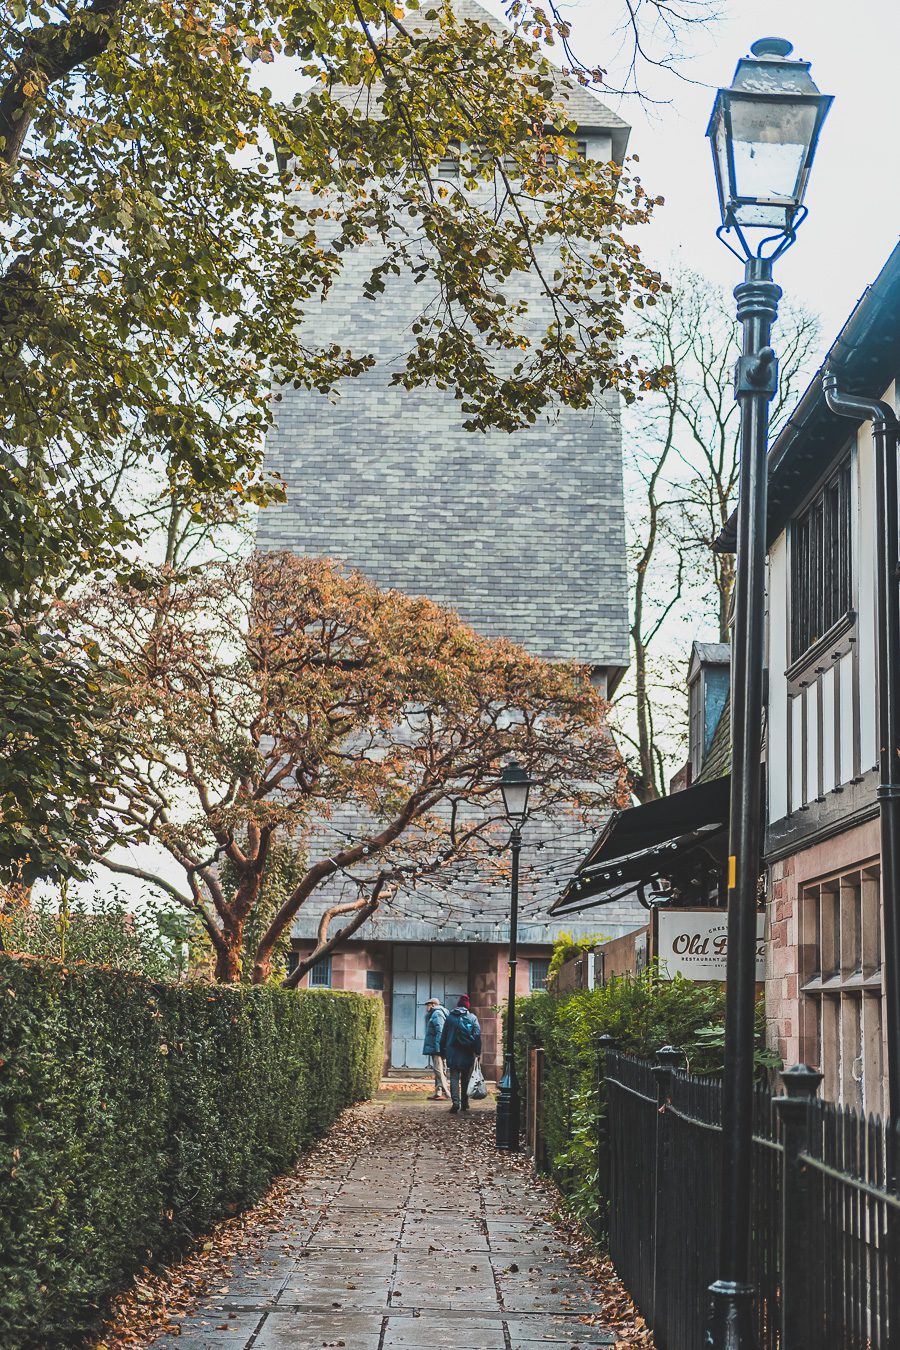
point(435, 1017)
point(460, 1047)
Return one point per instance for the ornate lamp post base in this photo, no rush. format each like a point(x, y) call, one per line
point(731, 1315)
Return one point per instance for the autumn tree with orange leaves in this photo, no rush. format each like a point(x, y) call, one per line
point(260, 699)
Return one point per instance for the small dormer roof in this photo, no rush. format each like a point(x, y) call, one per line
point(707, 654)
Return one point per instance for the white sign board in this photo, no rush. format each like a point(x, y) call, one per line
point(694, 943)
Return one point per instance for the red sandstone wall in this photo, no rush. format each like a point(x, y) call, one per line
point(488, 984)
point(791, 1031)
point(348, 971)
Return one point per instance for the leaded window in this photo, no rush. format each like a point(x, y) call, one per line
point(821, 572)
point(538, 970)
point(320, 974)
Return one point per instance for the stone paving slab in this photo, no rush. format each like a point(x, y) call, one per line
point(426, 1241)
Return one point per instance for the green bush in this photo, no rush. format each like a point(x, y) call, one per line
point(643, 1013)
point(566, 948)
point(155, 940)
point(134, 1114)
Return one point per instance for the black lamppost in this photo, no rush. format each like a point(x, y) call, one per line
point(515, 786)
point(763, 131)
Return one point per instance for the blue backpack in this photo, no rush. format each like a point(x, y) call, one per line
point(465, 1032)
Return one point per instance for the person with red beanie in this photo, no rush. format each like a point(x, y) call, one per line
point(460, 1047)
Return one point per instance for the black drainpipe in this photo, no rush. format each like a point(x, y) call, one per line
point(885, 435)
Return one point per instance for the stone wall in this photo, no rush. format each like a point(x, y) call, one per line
point(792, 1028)
point(487, 986)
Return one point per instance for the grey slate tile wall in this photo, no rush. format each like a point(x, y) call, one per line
point(522, 534)
point(472, 904)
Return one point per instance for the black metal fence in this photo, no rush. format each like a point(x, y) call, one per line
point(826, 1214)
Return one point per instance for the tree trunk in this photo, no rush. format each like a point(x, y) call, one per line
point(725, 582)
point(325, 946)
point(52, 52)
point(646, 790)
point(228, 961)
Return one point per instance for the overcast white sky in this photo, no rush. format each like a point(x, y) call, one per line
point(854, 194)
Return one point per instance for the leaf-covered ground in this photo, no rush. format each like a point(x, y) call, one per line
point(404, 1227)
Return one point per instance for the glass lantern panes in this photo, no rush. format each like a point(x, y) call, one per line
point(770, 145)
point(515, 786)
point(764, 130)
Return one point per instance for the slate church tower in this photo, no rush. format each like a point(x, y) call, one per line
point(523, 534)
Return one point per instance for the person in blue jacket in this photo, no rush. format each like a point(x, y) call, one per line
point(435, 1017)
point(460, 1047)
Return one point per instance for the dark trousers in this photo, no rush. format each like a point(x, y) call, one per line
point(459, 1084)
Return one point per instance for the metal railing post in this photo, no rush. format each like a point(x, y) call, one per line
point(540, 1148)
point(604, 1044)
point(801, 1084)
point(668, 1059)
point(529, 1097)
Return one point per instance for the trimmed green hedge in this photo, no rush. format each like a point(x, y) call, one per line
point(135, 1114)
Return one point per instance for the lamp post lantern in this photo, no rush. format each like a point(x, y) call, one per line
point(515, 786)
point(763, 131)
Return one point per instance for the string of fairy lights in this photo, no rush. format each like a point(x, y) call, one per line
point(470, 894)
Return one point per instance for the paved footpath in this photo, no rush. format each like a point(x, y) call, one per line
point(415, 1236)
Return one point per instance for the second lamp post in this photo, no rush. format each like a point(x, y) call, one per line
point(515, 786)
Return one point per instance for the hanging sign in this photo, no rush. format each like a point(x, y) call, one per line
point(694, 943)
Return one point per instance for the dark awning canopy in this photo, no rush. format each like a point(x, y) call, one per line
point(644, 843)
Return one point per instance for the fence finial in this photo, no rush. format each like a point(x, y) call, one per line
point(801, 1080)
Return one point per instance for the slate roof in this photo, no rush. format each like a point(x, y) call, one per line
point(523, 534)
point(583, 106)
point(711, 653)
point(718, 760)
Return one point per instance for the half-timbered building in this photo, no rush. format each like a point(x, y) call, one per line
point(824, 973)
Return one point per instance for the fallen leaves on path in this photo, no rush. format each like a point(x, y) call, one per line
point(158, 1301)
point(616, 1311)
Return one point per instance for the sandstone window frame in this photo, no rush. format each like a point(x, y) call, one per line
point(841, 1010)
